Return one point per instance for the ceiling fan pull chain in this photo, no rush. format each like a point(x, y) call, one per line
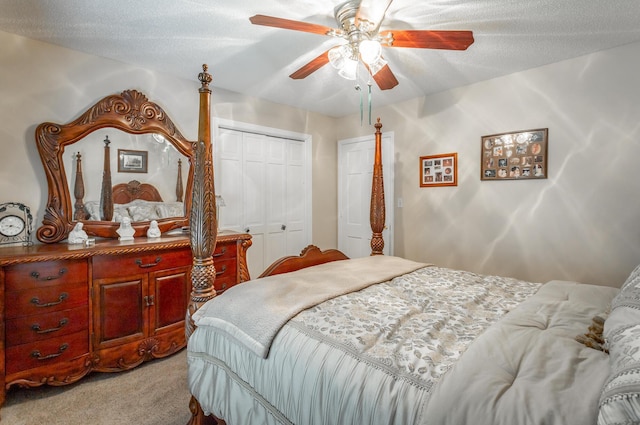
point(361, 107)
point(369, 84)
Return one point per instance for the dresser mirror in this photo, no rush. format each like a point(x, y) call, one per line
point(123, 157)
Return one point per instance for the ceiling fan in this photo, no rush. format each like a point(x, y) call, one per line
point(359, 22)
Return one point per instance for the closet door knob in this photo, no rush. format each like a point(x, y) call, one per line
point(283, 227)
point(247, 230)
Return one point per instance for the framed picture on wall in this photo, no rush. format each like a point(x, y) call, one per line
point(514, 156)
point(439, 170)
point(132, 161)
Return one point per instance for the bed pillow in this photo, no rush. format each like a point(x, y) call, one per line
point(120, 212)
point(620, 398)
point(93, 209)
point(142, 212)
point(170, 209)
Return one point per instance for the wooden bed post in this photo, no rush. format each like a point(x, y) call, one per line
point(377, 209)
point(78, 191)
point(203, 227)
point(202, 221)
point(106, 200)
point(179, 189)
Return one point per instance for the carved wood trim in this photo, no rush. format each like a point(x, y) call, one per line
point(203, 224)
point(124, 193)
point(310, 256)
point(106, 192)
point(179, 188)
point(78, 191)
point(377, 209)
point(129, 111)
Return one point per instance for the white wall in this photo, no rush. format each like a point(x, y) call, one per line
point(582, 223)
point(41, 82)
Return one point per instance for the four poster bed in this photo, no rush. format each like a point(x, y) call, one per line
point(323, 339)
point(134, 200)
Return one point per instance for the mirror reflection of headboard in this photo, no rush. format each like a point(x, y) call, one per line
point(123, 193)
point(130, 112)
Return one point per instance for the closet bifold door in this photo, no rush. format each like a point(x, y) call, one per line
point(263, 182)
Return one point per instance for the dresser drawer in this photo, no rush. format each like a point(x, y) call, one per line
point(47, 273)
point(46, 352)
point(224, 251)
point(45, 300)
point(43, 326)
point(226, 274)
point(139, 263)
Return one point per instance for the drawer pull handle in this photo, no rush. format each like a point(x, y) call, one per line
point(61, 324)
point(36, 275)
point(221, 253)
point(148, 299)
point(222, 270)
point(61, 298)
point(146, 266)
point(38, 356)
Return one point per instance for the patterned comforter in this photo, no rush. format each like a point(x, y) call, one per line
point(378, 354)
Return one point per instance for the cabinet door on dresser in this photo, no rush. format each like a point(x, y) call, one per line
point(139, 303)
point(46, 321)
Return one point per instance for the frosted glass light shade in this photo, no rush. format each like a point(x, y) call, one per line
point(370, 51)
point(336, 57)
point(349, 70)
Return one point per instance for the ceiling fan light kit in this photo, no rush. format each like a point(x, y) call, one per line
point(358, 26)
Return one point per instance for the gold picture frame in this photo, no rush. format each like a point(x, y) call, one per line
point(439, 170)
point(519, 155)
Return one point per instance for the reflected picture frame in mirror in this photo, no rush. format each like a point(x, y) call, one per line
point(130, 112)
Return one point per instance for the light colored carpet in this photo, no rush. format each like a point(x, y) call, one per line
point(153, 393)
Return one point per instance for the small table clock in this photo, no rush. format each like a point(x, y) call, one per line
point(15, 224)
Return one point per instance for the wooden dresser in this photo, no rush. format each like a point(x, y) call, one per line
point(67, 310)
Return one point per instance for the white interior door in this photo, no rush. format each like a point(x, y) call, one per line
point(355, 173)
point(263, 181)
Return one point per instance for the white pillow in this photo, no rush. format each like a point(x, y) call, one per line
point(620, 398)
point(170, 209)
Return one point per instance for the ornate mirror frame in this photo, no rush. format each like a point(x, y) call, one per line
point(131, 112)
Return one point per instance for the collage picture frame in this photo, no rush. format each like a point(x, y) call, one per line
point(517, 155)
point(439, 170)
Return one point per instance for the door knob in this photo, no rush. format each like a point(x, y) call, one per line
point(247, 230)
point(283, 227)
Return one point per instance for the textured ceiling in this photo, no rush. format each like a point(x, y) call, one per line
point(178, 36)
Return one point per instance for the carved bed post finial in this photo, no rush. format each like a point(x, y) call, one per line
point(205, 78)
point(377, 211)
point(202, 221)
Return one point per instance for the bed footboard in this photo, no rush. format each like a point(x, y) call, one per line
point(310, 256)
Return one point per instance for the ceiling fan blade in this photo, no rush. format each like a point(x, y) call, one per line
point(373, 11)
point(288, 24)
point(385, 78)
point(425, 39)
point(311, 67)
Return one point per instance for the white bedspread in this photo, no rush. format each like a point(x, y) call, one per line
point(252, 313)
point(526, 368)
